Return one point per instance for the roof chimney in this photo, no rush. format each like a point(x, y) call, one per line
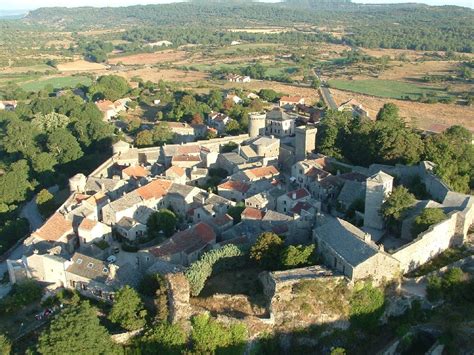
point(367, 238)
point(293, 196)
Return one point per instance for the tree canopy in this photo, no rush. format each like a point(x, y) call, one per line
point(427, 218)
point(127, 309)
point(162, 221)
point(76, 330)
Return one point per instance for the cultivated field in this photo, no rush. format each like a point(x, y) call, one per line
point(417, 114)
point(56, 82)
point(165, 56)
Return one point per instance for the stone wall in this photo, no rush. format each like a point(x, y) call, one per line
point(436, 188)
point(434, 241)
point(178, 297)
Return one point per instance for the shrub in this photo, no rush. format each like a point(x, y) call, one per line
point(201, 270)
point(45, 202)
point(22, 294)
point(163, 338)
point(366, 306)
point(295, 256)
point(5, 345)
point(434, 288)
point(427, 218)
point(208, 335)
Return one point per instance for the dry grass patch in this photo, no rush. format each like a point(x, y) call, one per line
point(419, 115)
point(150, 58)
point(155, 75)
point(80, 65)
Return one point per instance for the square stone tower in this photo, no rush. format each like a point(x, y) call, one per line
point(305, 141)
point(379, 187)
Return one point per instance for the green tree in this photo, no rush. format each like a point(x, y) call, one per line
point(394, 208)
point(5, 345)
point(332, 133)
point(427, 218)
point(164, 220)
point(267, 250)
point(62, 144)
point(232, 127)
point(15, 184)
point(236, 212)
point(76, 330)
point(453, 156)
point(164, 338)
point(50, 122)
point(144, 138)
point(128, 309)
point(20, 137)
point(162, 134)
point(45, 202)
point(388, 112)
point(110, 87)
point(296, 256)
point(43, 162)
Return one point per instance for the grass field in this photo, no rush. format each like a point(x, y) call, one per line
point(385, 88)
point(57, 83)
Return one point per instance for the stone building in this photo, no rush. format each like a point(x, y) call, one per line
point(257, 124)
point(305, 141)
point(378, 188)
point(349, 250)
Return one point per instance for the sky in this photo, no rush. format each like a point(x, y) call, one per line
point(33, 4)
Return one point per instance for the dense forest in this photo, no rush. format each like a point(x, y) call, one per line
point(405, 26)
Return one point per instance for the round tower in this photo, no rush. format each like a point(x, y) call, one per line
point(120, 147)
point(78, 183)
point(257, 124)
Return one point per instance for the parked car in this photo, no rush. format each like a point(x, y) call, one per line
point(116, 250)
point(111, 259)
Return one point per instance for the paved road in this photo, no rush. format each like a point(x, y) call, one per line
point(328, 99)
point(31, 213)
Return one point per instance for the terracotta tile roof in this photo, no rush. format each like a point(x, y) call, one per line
point(261, 172)
point(235, 185)
point(105, 105)
point(252, 213)
point(96, 198)
point(88, 224)
point(175, 170)
point(316, 172)
point(186, 241)
point(294, 99)
point(155, 189)
point(184, 157)
point(301, 206)
point(136, 171)
point(222, 220)
point(54, 228)
point(188, 149)
point(297, 194)
point(81, 197)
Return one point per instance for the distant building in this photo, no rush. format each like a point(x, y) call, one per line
point(290, 102)
point(356, 109)
point(8, 105)
point(236, 78)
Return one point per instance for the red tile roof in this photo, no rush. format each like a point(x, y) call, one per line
point(234, 185)
point(54, 228)
point(176, 170)
point(155, 189)
point(105, 105)
point(188, 149)
point(136, 171)
point(300, 193)
point(186, 241)
point(252, 213)
point(88, 224)
point(222, 220)
point(301, 206)
point(294, 99)
point(261, 172)
point(184, 157)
